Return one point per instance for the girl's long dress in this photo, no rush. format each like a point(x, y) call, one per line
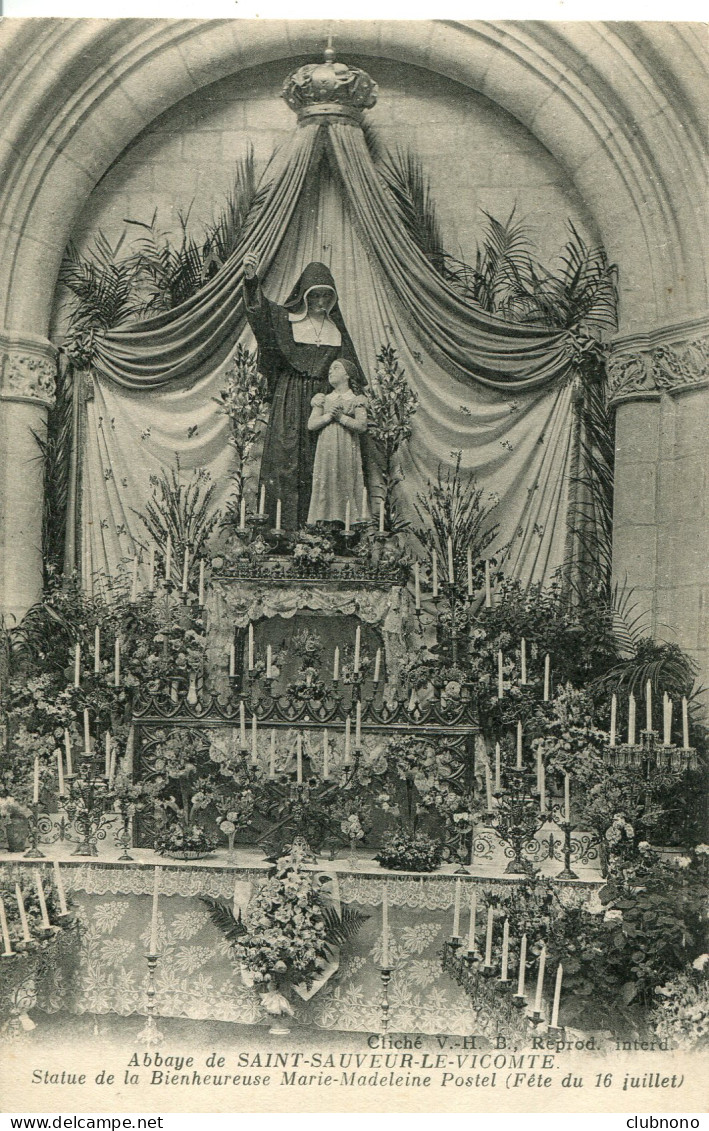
point(295, 372)
point(337, 471)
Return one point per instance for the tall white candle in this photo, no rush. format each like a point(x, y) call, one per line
point(272, 755)
point(232, 659)
point(7, 946)
point(325, 756)
point(59, 884)
point(456, 910)
point(685, 723)
point(42, 901)
point(488, 587)
point(254, 739)
point(488, 937)
point(107, 753)
point(348, 516)
point(23, 914)
point(336, 665)
point(168, 558)
point(151, 569)
point(358, 726)
point(97, 650)
point(299, 759)
point(134, 581)
point(540, 981)
point(377, 665)
point(523, 660)
point(251, 646)
point(557, 997)
point(242, 725)
point(242, 514)
point(472, 924)
point(77, 665)
point(279, 513)
point(67, 749)
point(547, 677)
point(469, 568)
point(154, 917)
point(488, 786)
point(348, 739)
point(631, 719)
point(385, 925)
point(60, 772)
point(451, 564)
point(269, 661)
point(185, 569)
point(498, 776)
point(542, 788)
point(262, 500)
point(505, 950)
point(522, 966)
point(365, 505)
point(519, 744)
point(668, 724)
point(35, 782)
point(434, 573)
point(614, 717)
point(201, 582)
point(567, 798)
point(117, 662)
point(112, 766)
point(648, 705)
point(357, 648)
point(500, 676)
point(381, 516)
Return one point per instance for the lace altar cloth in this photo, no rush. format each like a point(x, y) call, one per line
point(197, 978)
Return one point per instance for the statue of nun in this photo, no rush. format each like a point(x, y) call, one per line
point(298, 343)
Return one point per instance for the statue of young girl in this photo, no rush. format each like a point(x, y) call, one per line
point(340, 417)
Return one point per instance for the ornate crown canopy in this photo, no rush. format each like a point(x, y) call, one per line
point(329, 88)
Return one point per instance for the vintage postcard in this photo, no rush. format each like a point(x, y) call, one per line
point(353, 566)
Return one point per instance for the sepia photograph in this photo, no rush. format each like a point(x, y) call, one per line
point(354, 582)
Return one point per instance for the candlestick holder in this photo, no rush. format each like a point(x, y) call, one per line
point(556, 1033)
point(87, 806)
point(535, 1017)
point(150, 1035)
point(36, 823)
point(124, 837)
point(517, 820)
point(385, 973)
point(567, 872)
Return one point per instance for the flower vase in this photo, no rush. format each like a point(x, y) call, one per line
point(352, 861)
point(17, 831)
point(279, 1010)
point(192, 696)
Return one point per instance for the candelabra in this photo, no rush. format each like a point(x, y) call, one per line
point(151, 1035)
point(650, 752)
point(124, 837)
point(516, 819)
point(87, 804)
point(38, 822)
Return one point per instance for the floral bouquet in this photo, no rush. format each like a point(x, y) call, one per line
point(410, 852)
point(313, 553)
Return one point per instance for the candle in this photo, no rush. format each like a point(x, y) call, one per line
point(685, 723)
point(185, 569)
point(42, 901)
point(456, 910)
point(519, 744)
point(488, 590)
point(325, 756)
point(232, 659)
point(434, 572)
point(35, 783)
point(336, 665)
point(151, 570)
point(254, 739)
point(348, 739)
point(522, 966)
point(567, 798)
point(451, 570)
point(648, 705)
point(67, 748)
point(357, 648)
point(272, 756)
point(547, 677)
point(500, 676)
point(299, 760)
point(365, 507)
point(154, 918)
point(279, 511)
point(201, 582)
point(107, 753)
point(417, 585)
point(7, 947)
point(168, 558)
point(242, 514)
point(614, 715)
point(469, 565)
point(488, 937)
point(358, 726)
point(97, 649)
point(542, 788)
point(117, 662)
point(348, 516)
point(523, 660)
point(557, 997)
point(505, 950)
point(60, 772)
point(134, 581)
point(59, 883)
point(262, 500)
point(112, 766)
point(23, 914)
point(539, 766)
point(242, 725)
point(269, 662)
point(377, 665)
point(631, 719)
point(473, 916)
point(381, 516)
point(498, 779)
point(77, 664)
point(540, 981)
point(385, 925)
point(488, 786)
point(251, 647)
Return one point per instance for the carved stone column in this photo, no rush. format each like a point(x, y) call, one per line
point(659, 383)
point(27, 385)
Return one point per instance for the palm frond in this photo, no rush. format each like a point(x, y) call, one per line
point(223, 917)
point(240, 209)
point(184, 511)
point(342, 927)
point(453, 507)
point(410, 190)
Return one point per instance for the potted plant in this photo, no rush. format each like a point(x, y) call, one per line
point(14, 816)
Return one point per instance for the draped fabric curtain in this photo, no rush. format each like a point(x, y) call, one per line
point(499, 393)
